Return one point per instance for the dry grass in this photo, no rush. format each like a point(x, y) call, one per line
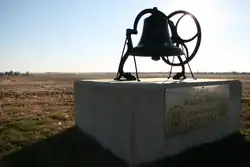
point(32, 110)
point(38, 107)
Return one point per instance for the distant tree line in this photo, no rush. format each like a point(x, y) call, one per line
point(224, 73)
point(14, 73)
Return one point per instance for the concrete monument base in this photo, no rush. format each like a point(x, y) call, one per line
point(144, 121)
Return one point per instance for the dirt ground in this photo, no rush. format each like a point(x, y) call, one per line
point(36, 108)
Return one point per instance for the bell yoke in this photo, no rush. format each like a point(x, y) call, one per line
point(156, 42)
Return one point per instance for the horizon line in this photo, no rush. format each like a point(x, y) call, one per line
point(239, 72)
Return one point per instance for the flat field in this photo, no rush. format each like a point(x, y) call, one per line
point(37, 127)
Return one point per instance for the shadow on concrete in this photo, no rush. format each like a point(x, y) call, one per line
point(232, 151)
point(74, 148)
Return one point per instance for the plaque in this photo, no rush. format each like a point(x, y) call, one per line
point(191, 108)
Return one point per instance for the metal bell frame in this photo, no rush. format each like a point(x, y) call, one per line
point(176, 39)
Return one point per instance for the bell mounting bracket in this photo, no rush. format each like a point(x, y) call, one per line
point(176, 40)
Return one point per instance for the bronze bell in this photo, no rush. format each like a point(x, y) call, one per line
point(155, 40)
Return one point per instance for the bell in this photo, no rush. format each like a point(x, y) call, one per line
point(155, 40)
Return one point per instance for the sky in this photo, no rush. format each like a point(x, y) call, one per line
point(88, 35)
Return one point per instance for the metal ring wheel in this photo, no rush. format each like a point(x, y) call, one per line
point(179, 41)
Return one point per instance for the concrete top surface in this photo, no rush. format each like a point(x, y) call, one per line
point(156, 81)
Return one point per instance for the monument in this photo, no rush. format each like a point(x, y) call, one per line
point(142, 120)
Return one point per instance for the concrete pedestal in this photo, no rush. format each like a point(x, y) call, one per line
point(144, 121)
